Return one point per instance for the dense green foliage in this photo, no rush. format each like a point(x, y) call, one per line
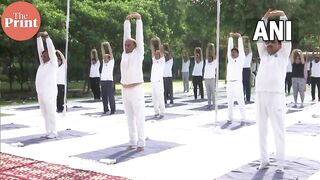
point(181, 23)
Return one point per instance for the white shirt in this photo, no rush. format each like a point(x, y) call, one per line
point(157, 69)
point(235, 65)
point(315, 69)
point(94, 69)
point(107, 70)
point(131, 63)
point(185, 66)
point(210, 69)
point(168, 68)
point(61, 74)
point(197, 69)
point(272, 70)
point(289, 66)
point(46, 78)
point(254, 67)
point(247, 61)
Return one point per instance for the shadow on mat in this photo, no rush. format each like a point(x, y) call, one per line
point(40, 138)
point(11, 126)
point(166, 116)
point(295, 168)
point(120, 153)
point(100, 114)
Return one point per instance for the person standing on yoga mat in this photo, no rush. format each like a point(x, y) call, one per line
point(185, 71)
point(298, 75)
point(246, 71)
point(315, 76)
point(132, 82)
point(236, 58)
point(270, 92)
point(61, 80)
point(197, 73)
point(95, 74)
point(156, 78)
point(210, 74)
point(107, 85)
point(46, 83)
point(167, 75)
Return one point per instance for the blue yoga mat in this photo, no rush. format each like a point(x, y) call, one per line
point(121, 154)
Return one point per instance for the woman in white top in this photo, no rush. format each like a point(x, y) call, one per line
point(185, 70)
point(107, 85)
point(158, 63)
point(61, 81)
point(210, 74)
point(95, 74)
point(197, 72)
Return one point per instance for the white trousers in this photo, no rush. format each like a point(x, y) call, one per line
point(48, 110)
point(157, 97)
point(235, 93)
point(271, 106)
point(133, 101)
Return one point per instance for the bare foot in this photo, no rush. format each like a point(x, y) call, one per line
point(140, 149)
point(130, 147)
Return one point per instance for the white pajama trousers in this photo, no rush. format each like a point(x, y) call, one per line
point(133, 101)
point(48, 104)
point(235, 93)
point(157, 97)
point(271, 106)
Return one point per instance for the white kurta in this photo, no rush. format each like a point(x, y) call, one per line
point(185, 66)
point(168, 68)
point(234, 78)
point(131, 73)
point(46, 85)
point(156, 79)
point(94, 69)
point(61, 74)
point(270, 97)
point(107, 71)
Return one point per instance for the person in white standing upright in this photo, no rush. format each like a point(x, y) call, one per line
point(270, 92)
point(246, 72)
point(236, 58)
point(107, 85)
point(95, 75)
point(46, 83)
point(158, 63)
point(61, 80)
point(210, 74)
point(167, 75)
point(132, 82)
point(185, 70)
point(315, 76)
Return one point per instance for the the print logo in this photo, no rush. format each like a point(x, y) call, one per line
point(20, 21)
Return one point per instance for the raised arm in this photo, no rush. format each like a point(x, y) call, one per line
point(103, 51)
point(139, 33)
point(110, 50)
point(61, 56)
point(51, 52)
point(126, 31)
point(260, 43)
point(230, 46)
point(241, 47)
point(285, 45)
point(40, 46)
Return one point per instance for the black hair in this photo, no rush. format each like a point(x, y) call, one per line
point(235, 49)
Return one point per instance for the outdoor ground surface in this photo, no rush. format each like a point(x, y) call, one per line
point(184, 145)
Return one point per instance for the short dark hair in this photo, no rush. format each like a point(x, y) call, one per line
point(235, 49)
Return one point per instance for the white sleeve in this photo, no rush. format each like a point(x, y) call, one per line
point(285, 45)
point(139, 36)
point(241, 49)
point(40, 48)
point(260, 43)
point(230, 46)
point(126, 32)
point(52, 52)
point(171, 63)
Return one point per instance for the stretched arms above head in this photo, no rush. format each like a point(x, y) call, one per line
point(103, 52)
point(155, 45)
point(210, 51)
point(297, 52)
point(197, 51)
point(61, 56)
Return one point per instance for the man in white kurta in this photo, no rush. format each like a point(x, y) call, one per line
point(210, 79)
point(236, 58)
point(46, 83)
point(270, 93)
point(132, 82)
point(158, 63)
point(61, 81)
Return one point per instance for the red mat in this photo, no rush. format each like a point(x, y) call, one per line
point(15, 167)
